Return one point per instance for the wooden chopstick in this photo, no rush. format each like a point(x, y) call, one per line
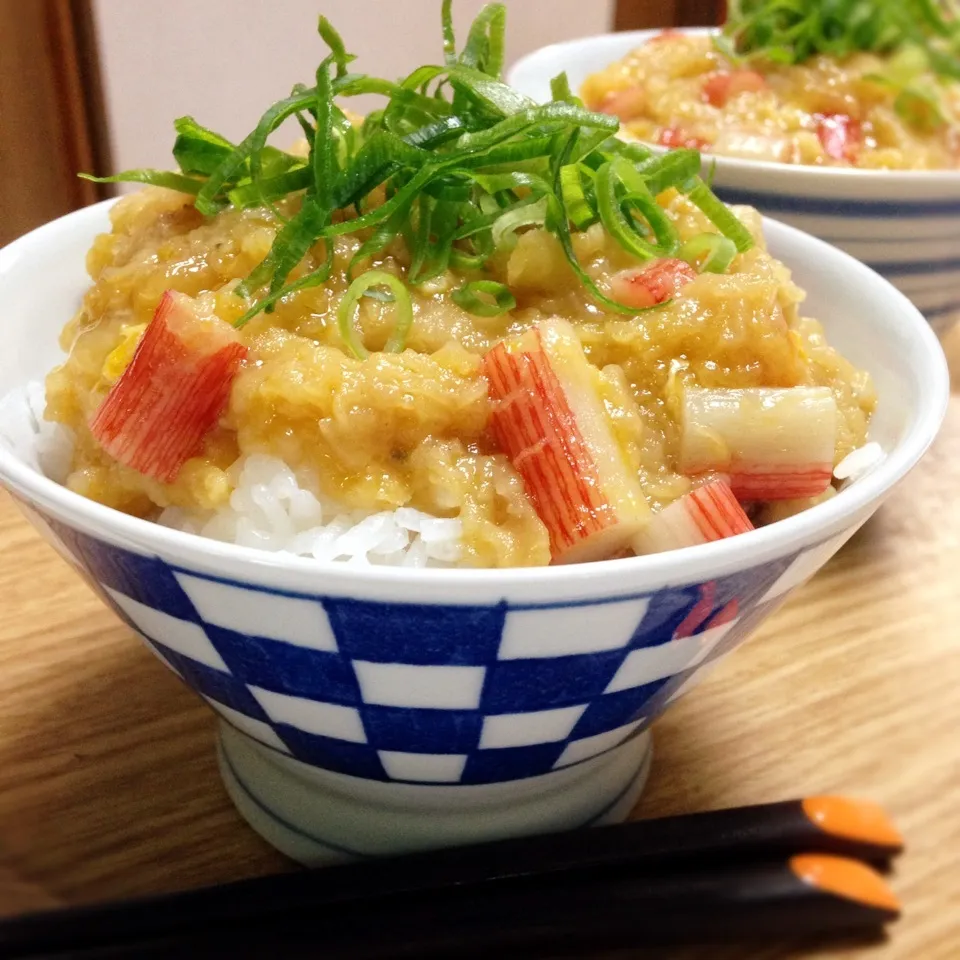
point(570, 861)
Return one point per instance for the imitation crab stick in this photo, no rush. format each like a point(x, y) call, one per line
point(722, 86)
point(710, 512)
point(775, 444)
point(627, 104)
point(676, 137)
point(653, 284)
point(173, 391)
point(840, 136)
point(550, 421)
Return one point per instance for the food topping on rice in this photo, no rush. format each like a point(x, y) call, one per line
point(467, 329)
point(869, 84)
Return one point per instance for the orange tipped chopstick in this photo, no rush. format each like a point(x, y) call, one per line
point(782, 869)
point(803, 897)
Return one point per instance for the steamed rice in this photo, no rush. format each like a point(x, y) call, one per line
point(42, 445)
point(270, 508)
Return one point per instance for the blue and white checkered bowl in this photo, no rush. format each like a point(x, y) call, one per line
point(903, 224)
point(371, 710)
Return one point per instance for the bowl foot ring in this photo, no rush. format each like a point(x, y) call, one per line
point(318, 817)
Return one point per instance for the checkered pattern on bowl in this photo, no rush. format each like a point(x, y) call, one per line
point(424, 693)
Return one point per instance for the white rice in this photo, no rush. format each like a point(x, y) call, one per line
point(857, 464)
point(270, 508)
point(44, 446)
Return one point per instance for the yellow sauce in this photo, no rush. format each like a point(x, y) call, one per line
point(780, 122)
point(411, 428)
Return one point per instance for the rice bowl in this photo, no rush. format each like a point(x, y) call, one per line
point(369, 707)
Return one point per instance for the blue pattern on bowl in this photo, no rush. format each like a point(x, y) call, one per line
point(422, 693)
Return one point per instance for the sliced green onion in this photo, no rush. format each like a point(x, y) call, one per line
point(669, 169)
point(315, 279)
point(409, 111)
point(485, 42)
point(634, 152)
point(484, 298)
point(718, 213)
point(483, 247)
point(574, 199)
point(449, 38)
point(402, 306)
point(207, 201)
point(325, 167)
point(725, 47)
point(566, 114)
point(450, 188)
point(920, 108)
point(792, 31)
point(379, 240)
point(456, 163)
point(613, 219)
point(420, 240)
point(708, 252)
point(560, 87)
point(639, 198)
point(494, 97)
point(563, 153)
point(275, 188)
point(531, 214)
point(907, 64)
point(198, 150)
point(153, 178)
point(439, 243)
point(335, 42)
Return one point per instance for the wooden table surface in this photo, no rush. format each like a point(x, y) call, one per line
point(108, 785)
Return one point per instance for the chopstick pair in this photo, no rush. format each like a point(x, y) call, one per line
point(784, 870)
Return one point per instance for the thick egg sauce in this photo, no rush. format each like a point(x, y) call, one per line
point(412, 428)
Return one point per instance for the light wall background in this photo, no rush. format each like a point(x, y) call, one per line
point(225, 61)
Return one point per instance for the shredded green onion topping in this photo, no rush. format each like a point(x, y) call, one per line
point(454, 163)
point(708, 252)
point(792, 31)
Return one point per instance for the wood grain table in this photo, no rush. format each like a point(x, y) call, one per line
point(108, 785)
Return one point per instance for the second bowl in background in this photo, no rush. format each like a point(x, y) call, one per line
point(903, 224)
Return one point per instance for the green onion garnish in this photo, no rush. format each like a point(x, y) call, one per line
point(360, 288)
point(919, 107)
point(574, 197)
point(708, 252)
point(454, 164)
point(153, 178)
point(485, 298)
point(625, 231)
point(718, 213)
point(792, 31)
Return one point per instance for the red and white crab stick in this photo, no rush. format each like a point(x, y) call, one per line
point(651, 284)
point(708, 513)
point(723, 85)
point(841, 136)
point(550, 421)
point(172, 394)
point(774, 444)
